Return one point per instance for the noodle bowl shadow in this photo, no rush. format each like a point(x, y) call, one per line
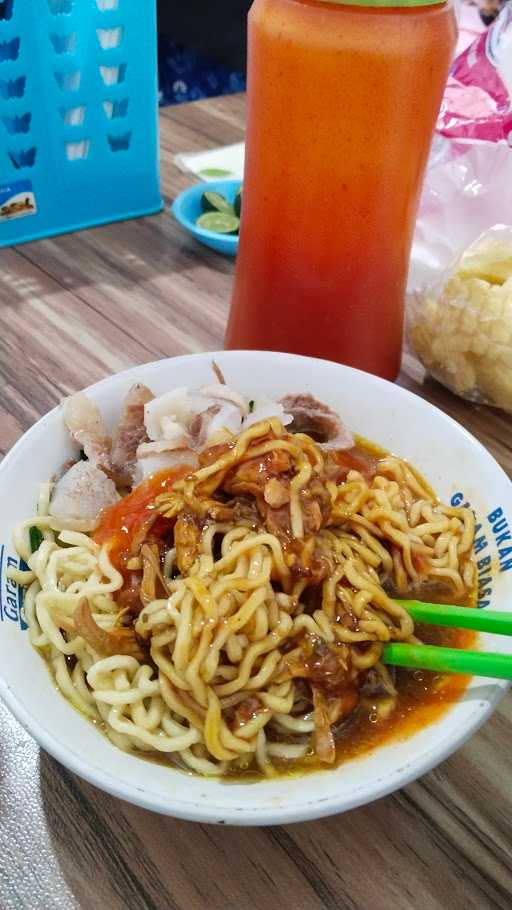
point(454, 463)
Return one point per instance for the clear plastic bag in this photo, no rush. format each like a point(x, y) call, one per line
point(460, 326)
point(467, 189)
point(459, 312)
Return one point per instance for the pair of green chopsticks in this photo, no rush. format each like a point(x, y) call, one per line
point(453, 660)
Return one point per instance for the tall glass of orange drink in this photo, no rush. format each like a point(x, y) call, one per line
point(342, 104)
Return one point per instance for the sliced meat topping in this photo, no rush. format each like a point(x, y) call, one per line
point(131, 431)
point(317, 420)
point(88, 430)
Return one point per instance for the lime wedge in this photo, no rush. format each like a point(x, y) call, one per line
point(238, 203)
point(215, 202)
point(214, 172)
point(219, 222)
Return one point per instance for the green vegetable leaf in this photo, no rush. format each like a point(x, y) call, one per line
point(36, 538)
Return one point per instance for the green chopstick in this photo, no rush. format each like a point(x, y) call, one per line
point(453, 660)
point(448, 660)
point(459, 617)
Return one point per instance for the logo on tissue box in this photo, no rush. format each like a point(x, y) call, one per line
point(17, 200)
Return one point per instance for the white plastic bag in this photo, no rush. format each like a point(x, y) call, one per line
point(467, 189)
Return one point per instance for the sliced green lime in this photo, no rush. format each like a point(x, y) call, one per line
point(214, 172)
point(215, 202)
point(238, 203)
point(219, 222)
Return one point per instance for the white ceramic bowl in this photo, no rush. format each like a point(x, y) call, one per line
point(452, 460)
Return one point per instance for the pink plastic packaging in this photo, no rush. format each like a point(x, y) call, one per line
point(478, 98)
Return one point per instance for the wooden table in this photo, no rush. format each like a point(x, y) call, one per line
point(73, 310)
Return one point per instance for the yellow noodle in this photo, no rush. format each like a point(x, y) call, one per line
point(216, 688)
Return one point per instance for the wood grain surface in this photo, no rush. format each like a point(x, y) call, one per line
point(73, 310)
